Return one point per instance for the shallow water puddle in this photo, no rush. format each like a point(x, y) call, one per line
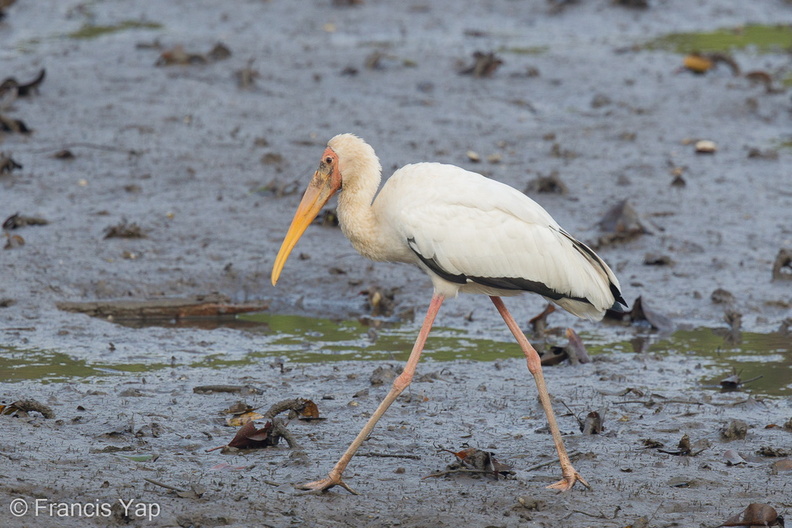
point(763, 38)
point(313, 340)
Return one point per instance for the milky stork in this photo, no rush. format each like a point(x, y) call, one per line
point(469, 234)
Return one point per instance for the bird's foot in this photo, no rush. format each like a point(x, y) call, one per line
point(566, 483)
point(325, 484)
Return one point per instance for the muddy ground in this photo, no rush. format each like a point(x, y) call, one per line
point(208, 160)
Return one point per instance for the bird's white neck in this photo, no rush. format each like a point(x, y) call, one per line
point(356, 216)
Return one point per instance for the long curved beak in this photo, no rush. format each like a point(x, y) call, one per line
point(324, 184)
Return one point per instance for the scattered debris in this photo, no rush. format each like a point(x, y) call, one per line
point(733, 458)
point(769, 154)
point(474, 462)
point(735, 382)
point(383, 375)
point(246, 77)
point(655, 259)
point(22, 408)
point(196, 491)
point(15, 221)
point(621, 223)
point(10, 84)
point(13, 241)
point(539, 322)
point(576, 350)
point(7, 163)
point(776, 452)
point(636, 4)
point(593, 424)
point(124, 230)
point(13, 126)
point(249, 437)
point(551, 184)
point(380, 302)
point(484, 65)
point(178, 56)
point(765, 79)
point(642, 313)
point(683, 448)
point(211, 305)
point(733, 334)
point(701, 63)
point(64, 154)
point(243, 390)
point(721, 296)
point(736, 430)
point(755, 514)
point(473, 156)
point(378, 60)
point(782, 267)
point(705, 146)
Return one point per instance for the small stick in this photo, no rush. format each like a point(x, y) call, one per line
point(390, 455)
point(162, 485)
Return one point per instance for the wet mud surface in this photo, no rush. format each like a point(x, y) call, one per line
point(162, 154)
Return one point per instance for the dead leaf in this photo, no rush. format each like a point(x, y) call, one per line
point(7, 163)
point(756, 514)
point(248, 437)
point(124, 230)
point(782, 267)
point(472, 460)
point(22, 89)
point(238, 420)
point(484, 65)
point(17, 220)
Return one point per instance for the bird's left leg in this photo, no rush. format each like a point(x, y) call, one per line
point(399, 384)
point(535, 366)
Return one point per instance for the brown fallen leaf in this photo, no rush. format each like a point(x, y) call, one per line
point(15, 221)
point(484, 65)
point(22, 89)
point(238, 420)
point(756, 514)
point(539, 322)
point(593, 424)
point(703, 62)
point(472, 460)
point(782, 267)
point(248, 437)
point(124, 230)
point(8, 164)
point(640, 312)
point(13, 126)
point(576, 349)
point(621, 224)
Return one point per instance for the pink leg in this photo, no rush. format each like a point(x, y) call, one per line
point(399, 384)
point(535, 366)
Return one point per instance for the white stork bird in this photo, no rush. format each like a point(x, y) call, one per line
point(469, 234)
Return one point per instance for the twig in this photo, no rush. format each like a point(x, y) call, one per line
point(167, 486)
point(390, 455)
point(460, 470)
point(572, 455)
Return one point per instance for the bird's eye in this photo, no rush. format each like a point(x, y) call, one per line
point(328, 160)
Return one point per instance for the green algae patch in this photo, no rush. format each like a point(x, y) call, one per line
point(90, 31)
point(49, 366)
point(763, 38)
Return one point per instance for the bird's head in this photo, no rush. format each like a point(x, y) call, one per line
point(344, 158)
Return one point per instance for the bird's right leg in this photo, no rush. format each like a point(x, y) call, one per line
point(535, 367)
point(399, 384)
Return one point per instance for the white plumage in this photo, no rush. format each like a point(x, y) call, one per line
point(470, 234)
point(472, 226)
